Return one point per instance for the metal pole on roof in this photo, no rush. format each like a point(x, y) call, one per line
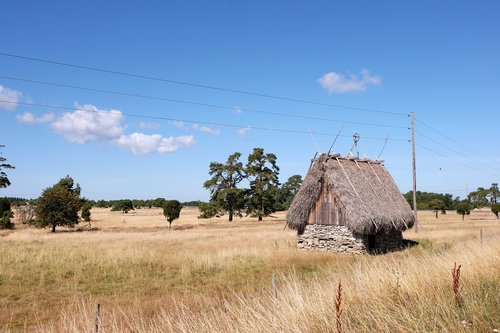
point(412, 115)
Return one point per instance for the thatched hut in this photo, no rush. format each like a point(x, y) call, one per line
point(349, 205)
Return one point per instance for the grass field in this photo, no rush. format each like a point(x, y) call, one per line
point(215, 276)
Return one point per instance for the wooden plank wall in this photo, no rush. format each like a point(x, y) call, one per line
point(325, 210)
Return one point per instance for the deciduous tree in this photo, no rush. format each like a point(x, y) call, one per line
point(59, 205)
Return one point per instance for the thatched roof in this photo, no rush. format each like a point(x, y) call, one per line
point(366, 194)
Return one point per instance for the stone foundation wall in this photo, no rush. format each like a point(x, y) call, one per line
point(336, 238)
point(388, 242)
point(330, 238)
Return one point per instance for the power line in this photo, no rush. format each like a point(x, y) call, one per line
point(456, 142)
point(193, 121)
point(243, 92)
point(455, 151)
point(225, 107)
point(455, 160)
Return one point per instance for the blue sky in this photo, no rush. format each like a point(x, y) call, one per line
point(436, 59)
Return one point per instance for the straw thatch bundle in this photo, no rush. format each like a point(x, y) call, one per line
point(366, 196)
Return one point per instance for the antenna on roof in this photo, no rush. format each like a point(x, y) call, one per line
point(355, 138)
point(338, 134)
point(314, 141)
point(383, 147)
point(312, 160)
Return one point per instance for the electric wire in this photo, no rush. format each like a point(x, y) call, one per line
point(194, 121)
point(184, 83)
point(455, 141)
point(456, 161)
point(455, 151)
point(216, 106)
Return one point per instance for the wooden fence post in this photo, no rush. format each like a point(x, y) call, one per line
point(97, 319)
point(481, 235)
point(274, 291)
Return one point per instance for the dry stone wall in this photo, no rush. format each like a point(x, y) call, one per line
point(330, 238)
point(336, 238)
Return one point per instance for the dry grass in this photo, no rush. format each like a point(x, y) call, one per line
point(215, 276)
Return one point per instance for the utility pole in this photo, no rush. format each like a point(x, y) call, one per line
point(412, 115)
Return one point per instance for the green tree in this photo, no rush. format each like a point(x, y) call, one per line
point(5, 214)
point(86, 215)
point(4, 181)
point(495, 208)
point(172, 211)
point(424, 199)
point(159, 202)
point(59, 205)
point(494, 192)
point(208, 210)
point(479, 198)
point(287, 192)
point(463, 208)
point(436, 205)
point(263, 173)
point(124, 206)
point(224, 192)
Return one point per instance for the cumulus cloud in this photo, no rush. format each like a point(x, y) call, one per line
point(148, 125)
point(178, 124)
point(29, 118)
point(89, 123)
point(205, 129)
point(244, 131)
point(140, 143)
point(337, 83)
point(9, 98)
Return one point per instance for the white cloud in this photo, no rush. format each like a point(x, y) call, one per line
point(238, 110)
point(336, 83)
point(29, 118)
point(205, 129)
point(244, 131)
point(148, 125)
point(89, 123)
point(178, 124)
point(9, 98)
point(140, 143)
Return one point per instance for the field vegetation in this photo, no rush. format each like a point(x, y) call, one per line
point(211, 275)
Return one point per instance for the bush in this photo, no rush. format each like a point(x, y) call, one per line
point(208, 210)
point(87, 206)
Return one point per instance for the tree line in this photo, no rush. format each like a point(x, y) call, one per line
point(262, 195)
point(438, 202)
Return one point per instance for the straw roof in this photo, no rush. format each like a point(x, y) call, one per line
point(367, 196)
